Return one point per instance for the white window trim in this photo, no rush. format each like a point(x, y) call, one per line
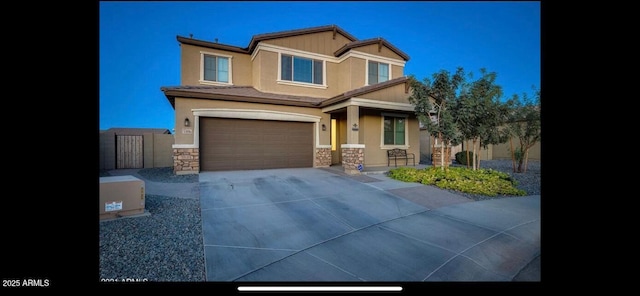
point(366, 70)
point(406, 131)
point(207, 82)
point(297, 83)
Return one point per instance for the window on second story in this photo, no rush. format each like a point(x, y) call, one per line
point(216, 68)
point(300, 69)
point(378, 72)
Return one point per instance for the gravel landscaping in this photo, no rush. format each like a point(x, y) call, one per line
point(167, 246)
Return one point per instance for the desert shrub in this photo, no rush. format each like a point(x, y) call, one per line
point(406, 174)
point(486, 182)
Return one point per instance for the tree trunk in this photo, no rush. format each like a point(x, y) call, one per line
point(433, 148)
point(526, 158)
point(479, 149)
point(441, 152)
point(474, 154)
point(448, 156)
point(520, 163)
point(467, 149)
point(513, 156)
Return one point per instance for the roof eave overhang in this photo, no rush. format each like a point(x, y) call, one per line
point(350, 94)
point(379, 41)
point(213, 45)
point(258, 38)
point(172, 94)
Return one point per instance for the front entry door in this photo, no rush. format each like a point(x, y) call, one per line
point(336, 155)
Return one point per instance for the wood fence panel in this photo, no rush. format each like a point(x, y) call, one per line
point(129, 152)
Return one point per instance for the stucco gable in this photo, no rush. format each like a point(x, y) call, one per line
point(299, 32)
point(380, 42)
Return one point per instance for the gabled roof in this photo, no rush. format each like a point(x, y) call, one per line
point(364, 90)
point(380, 41)
point(269, 36)
point(250, 94)
point(331, 28)
point(208, 44)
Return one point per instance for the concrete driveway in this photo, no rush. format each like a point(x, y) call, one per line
point(315, 225)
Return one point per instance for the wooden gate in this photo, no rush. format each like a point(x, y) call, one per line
point(129, 152)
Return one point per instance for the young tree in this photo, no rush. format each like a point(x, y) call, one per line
point(479, 114)
point(433, 98)
point(524, 124)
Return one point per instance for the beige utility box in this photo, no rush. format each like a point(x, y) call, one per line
point(121, 196)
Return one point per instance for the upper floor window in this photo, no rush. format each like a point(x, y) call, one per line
point(378, 72)
point(216, 68)
point(294, 68)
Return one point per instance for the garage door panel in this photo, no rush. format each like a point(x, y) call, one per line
point(240, 144)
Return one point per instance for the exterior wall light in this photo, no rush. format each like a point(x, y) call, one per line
point(324, 127)
point(186, 122)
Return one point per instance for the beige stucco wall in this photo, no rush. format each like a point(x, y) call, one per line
point(255, 71)
point(190, 65)
point(107, 151)
point(503, 151)
point(350, 74)
point(184, 107)
point(484, 153)
point(262, 71)
point(390, 94)
point(322, 43)
point(268, 79)
point(158, 151)
point(371, 137)
point(397, 71)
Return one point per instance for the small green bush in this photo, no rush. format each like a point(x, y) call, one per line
point(486, 182)
point(461, 157)
point(406, 174)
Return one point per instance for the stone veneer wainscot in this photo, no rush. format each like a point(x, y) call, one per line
point(186, 161)
point(351, 158)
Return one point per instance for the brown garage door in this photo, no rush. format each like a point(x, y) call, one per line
point(242, 144)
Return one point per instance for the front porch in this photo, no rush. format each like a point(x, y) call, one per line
point(362, 135)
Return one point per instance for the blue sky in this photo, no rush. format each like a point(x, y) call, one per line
point(139, 52)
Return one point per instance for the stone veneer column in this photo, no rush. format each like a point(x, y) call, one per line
point(352, 151)
point(323, 156)
point(352, 156)
point(186, 161)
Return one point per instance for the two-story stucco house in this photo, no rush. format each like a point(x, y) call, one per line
point(310, 97)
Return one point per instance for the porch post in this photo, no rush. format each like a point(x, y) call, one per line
point(353, 151)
